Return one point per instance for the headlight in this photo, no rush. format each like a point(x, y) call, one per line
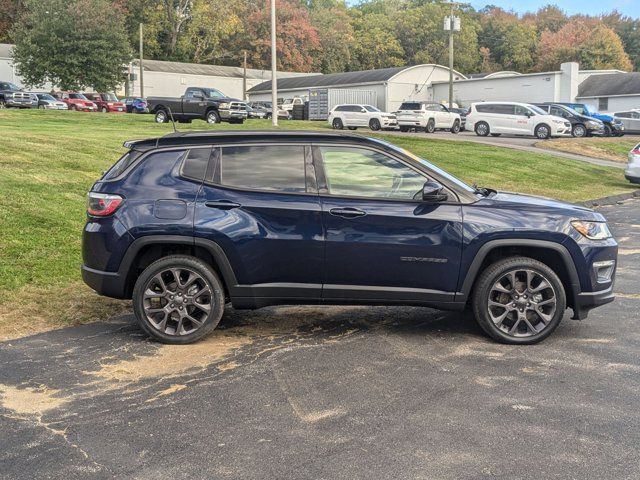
point(559, 122)
point(593, 124)
point(224, 105)
point(592, 230)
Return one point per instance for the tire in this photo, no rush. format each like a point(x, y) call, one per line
point(104, 110)
point(212, 117)
point(177, 319)
point(352, 128)
point(607, 130)
point(74, 108)
point(542, 131)
point(518, 322)
point(3, 105)
point(162, 116)
point(404, 129)
point(337, 124)
point(496, 134)
point(374, 124)
point(482, 129)
point(579, 131)
point(40, 107)
point(431, 126)
point(456, 127)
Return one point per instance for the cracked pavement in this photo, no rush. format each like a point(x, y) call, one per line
point(332, 392)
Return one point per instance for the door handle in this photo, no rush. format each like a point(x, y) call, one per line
point(222, 204)
point(347, 212)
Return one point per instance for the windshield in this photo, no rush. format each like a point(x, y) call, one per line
point(9, 86)
point(431, 166)
point(371, 108)
point(109, 97)
point(213, 93)
point(77, 96)
point(581, 109)
point(45, 96)
point(572, 111)
point(538, 110)
point(288, 101)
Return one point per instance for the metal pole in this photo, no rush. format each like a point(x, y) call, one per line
point(141, 66)
point(244, 77)
point(274, 80)
point(451, 59)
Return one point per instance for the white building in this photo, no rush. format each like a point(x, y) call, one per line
point(558, 86)
point(168, 78)
point(390, 86)
point(611, 93)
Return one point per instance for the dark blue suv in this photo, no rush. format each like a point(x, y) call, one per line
point(185, 223)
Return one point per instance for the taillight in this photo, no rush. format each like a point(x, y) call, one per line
point(636, 151)
point(103, 204)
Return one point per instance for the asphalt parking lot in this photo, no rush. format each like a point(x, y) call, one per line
point(331, 393)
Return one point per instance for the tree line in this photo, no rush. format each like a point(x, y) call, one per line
point(324, 35)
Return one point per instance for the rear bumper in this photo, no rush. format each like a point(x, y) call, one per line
point(586, 301)
point(109, 284)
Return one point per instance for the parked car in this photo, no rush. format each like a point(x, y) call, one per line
point(289, 103)
point(612, 126)
point(463, 116)
point(259, 112)
point(427, 116)
point(136, 105)
point(632, 172)
point(266, 107)
point(107, 102)
point(581, 125)
point(630, 119)
point(48, 102)
point(497, 118)
point(186, 223)
point(207, 104)
point(76, 101)
point(353, 116)
point(12, 96)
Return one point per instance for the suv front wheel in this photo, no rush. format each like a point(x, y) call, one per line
point(178, 299)
point(519, 300)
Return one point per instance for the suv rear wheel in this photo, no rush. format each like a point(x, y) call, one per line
point(178, 299)
point(482, 129)
point(212, 117)
point(162, 116)
point(519, 300)
point(431, 126)
point(337, 124)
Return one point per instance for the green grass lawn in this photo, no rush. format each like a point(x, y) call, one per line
point(48, 161)
point(608, 148)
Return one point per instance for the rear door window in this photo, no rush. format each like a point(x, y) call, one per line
point(279, 168)
point(195, 163)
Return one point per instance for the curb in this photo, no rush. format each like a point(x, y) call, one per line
point(611, 200)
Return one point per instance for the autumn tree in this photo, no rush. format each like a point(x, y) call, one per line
point(584, 40)
point(297, 40)
point(71, 43)
point(337, 40)
point(9, 12)
point(549, 17)
point(628, 29)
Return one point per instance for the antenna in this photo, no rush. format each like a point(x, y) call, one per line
point(172, 120)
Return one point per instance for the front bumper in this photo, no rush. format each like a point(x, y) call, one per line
point(19, 104)
point(232, 114)
point(586, 301)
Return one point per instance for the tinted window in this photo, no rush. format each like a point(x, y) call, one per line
point(195, 165)
point(435, 107)
point(496, 108)
point(623, 114)
point(122, 164)
point(279, 168)
point(518, 110)
point(558, 112)
point(342, 108)
point(355, 108)
point(544, 108)
point(357, 172)
point(410, 106)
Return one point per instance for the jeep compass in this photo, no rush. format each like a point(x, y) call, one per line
point(189, 222)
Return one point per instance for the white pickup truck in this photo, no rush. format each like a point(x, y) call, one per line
point(427, 116)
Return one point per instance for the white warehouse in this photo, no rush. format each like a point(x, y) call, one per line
point(387, 87)
point(557, 86)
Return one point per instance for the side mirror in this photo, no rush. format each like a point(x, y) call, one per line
point(364, 110)
point(529, 114)
point(433, 192)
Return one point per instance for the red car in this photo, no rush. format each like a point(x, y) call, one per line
point(107, 102)
point(76, 101)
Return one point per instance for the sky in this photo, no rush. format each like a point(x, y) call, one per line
point(589, 7)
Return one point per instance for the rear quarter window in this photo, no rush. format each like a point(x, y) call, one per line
point(121, 165)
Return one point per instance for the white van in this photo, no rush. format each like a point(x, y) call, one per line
point(512, 118)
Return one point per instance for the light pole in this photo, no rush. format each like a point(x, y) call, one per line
point(451, 25)
point(274, 80)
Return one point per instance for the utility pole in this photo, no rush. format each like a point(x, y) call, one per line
point(451, 24)
point(141, 66)
point(244, 76)
point(274, 80)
